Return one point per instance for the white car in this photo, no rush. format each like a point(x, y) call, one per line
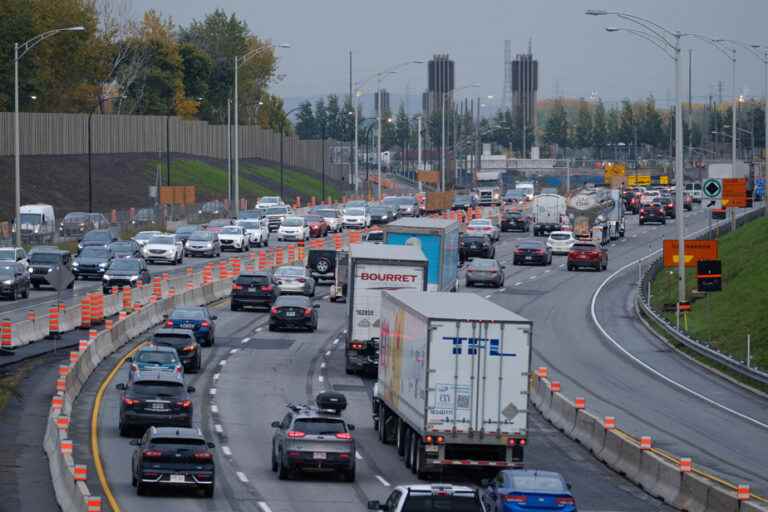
point(293, 228)
point(356, 218)
point(142, 237)
point(163, 248)
point(560, 242)
point(268, 201)
point(430, 497)
point(483, 227)
point(233, 238)
point(332, 217)
point(257, 231)
point(14, 254)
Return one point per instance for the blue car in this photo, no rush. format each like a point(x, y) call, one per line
point(153, 357)
point(197, 319)
point(518, 490)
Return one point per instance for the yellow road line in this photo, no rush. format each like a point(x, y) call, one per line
point(95, 430)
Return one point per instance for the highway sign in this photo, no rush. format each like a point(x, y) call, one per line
point(695, 250)
point(759, 186)
point(709, 275)
point(614, 170)
point(712, 188)
point(735, 192)
point(638, 181)
point(60, 278)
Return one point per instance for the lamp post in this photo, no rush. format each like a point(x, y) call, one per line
point(19, 50)
point(239, 60)
point(668, 42)
point(442, 129)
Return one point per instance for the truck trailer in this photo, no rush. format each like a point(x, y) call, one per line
point(452, 386)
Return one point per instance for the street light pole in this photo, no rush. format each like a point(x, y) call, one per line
point(378, 129)
point(442, 145)
point(357, 158)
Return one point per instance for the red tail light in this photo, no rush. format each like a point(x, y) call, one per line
point(356, 345)
point(295, 434)
point(344, 435)
point(539, 251)
point(236, 286)
point(266, 288)
point(153, 453)
point(515, 498)
point(344, 456)
point(131, 402)
point(307, 311)
point(301, 280)
point(169, 323)
point(185, 404)
point(521, 442)
point(203, 456)
point(205, 324)
point(642, 210)
point(294, 454)
point(564, 501)
point(273, 311)
point(519, 251)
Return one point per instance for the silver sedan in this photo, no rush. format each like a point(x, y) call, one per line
point(295, 280)
point(485, 271)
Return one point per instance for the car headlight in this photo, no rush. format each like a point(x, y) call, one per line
point(106, 277)
point(134, 278)
point(103, 265)
point(50, 270)
point(75, 263)
point(79, 246)
point(30, 270)
point(8, 282)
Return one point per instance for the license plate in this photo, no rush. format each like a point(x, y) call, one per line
point(187, 326)
point(431, 448)
point(178, 479)
point(529, 257)
point(158, 407)
point(290, 313)
point(251, 289)
point(318, 455)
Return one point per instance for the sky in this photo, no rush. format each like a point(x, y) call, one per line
point(577, 57)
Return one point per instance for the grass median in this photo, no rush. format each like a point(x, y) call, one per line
point(724, 319)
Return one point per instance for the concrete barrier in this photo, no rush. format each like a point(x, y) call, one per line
point(546, 397)
point(753, 506)
point(648, 474)
point(611, 452)
point(584, 431)
point(629, 460)
point(562, 413)
point(722, 499)
point(694, 493)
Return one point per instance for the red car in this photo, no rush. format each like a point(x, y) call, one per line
point(317, 226)
point(587, 254)
point(688, 202)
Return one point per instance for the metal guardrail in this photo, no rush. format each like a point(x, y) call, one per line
point(701, 347)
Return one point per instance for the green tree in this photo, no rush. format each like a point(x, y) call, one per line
point(556, 128)
point(388, 131)
point(627, 123)
point(583, 129)
point(599, 128)
point(272, 116)
point(612, 124)
point(197, 68)
point(333, 118)
point(650, 131)
point(321, 119)
point(306, 124)
point(347, 120)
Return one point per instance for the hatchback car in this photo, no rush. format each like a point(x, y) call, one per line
point(408, 206)
point(485, 271)
point(293, 228)
point(532, 252)
point(125, 272)
point(253, 290)
point(182, 232)
point(515, 220)
point(197, 319)
point(589, 255)
point(296, 280)
point(668, 202)
point(98, 238)
point(154, 398)
point(185, 344)
point(14, 281)
point(92, 262)
point(356, 218)
point(652, 212)
point(203, 243)
point(234, 238)
point(173, 457)
point(475, 246)
point(125, 249)
point(521, 490)
point(293, 312)
point(314, 438)
point(431, 498)
point(152, 357)
point(142, 237)
point(332, 217)
point(560, 242)
point(483, 227)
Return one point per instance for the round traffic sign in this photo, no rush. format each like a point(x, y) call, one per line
point(712, 188)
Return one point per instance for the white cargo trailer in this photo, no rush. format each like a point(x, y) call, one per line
point(452, 385)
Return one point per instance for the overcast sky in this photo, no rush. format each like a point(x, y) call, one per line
point(576, 56)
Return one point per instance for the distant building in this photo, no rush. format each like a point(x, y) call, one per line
point(440, 80)
point(385, 107)
point(524, 74)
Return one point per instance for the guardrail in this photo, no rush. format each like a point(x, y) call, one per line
point(701, 347)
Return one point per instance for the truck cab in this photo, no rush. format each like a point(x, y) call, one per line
point(490, 188)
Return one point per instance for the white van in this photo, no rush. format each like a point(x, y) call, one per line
point(38, 222)
point(694, 190)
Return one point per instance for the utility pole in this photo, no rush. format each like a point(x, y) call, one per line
point(229, 149)
point(418, 167)
point(690, 104)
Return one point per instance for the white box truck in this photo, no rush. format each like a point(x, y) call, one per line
point(372, 269)
point(548, 212)
point(452, 386)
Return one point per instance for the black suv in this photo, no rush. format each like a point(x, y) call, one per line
point(314, 438)
point(97, 237)
point(92, 261)
point(154, 398)
point(515, 220)
point(42, 261)
point(173, 457)
point(125, 272)
point(653, 212)
point(293, 312)
point(322, 263)
point(253, 290)
point(476, 246)
point(186, 345)
point(14, 280)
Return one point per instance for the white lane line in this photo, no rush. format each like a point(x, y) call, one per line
point(226, 451)
point(358, 456)
point(223, 362)
point(344, 331)
point(383, 482)
point(216, 376)
point(532, 277)
point(245, 340)
point(562, 265)
point(547, 271)
point(215, 409)
point(320, 378)
point(259, 329)
point(328, 354)
point(242, 477)
point(212, 391)
point(218, 428)
point(518, 283)
point(234, 351)
point(501, 290)
point(264, 507)
point(325, 297)
point(487, 296)
point(322, 365)
point(336, 341)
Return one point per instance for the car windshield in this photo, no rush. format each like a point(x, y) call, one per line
point(480, 223)
point(514, 214)
point(319, 426)
point(583, 247)
point(270, 200)
point(355, 212)
point(184, 230)
point(313, 218)
point(406, 201)
point(75, 217)
point(250, 225)
point(157, 388)
point(7, 271)
point(482, 265)
point(42, 257)
point(277, 210)
point(392, 200)
point(293, 222)
point(530, 245)
point(156, 357)
point(121, 246)
point(7, 254)
point(145, 235)
point(375, 236)
point(251, 214)
point(187, 314)
point(560, 236)
point(125, 265)
point(538, 484)
point(31, 218)
point(201, 236)
point(326, 213)
point(431, 503)
point(94, 252)
point(234, 230)
point(162, 240)
point(252, 280)
point(97, 236)
point(290, 271)
point(219, 223)
point(379, 210)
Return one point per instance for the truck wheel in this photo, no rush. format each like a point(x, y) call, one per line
point(400, 438)
point(383, 430)
point(418, 462)
point(408, 459)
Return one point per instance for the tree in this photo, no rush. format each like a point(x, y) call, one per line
point(612, 127)
point(627, 124)
point(197, 68)
point(306, 124)
point(333, 114)
point(650, 131)
point(599, 129)
point(321, 119)
point(388, 131)
point(556, 128)
point(271, 115)
point(347, 120)
point(583, 130)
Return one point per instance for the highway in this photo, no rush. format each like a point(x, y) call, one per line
point(255, 373)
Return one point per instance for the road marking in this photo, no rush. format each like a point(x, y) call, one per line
point(264, 507)
point(95, 448)
point(216, 376)
point(226, 451)
point(234, 351)
point(328, 354)
point(218, 428)
point(562, 265)
point(488, 296)
point(223, 362)
point(344, 331)
point(518, 283)
point(322, 365)
point(259, 329)
point(212, 391)
point(320, 378)
point(336, 341)
point(358, 456)
point(214, 409)
point(547, 271)
point(532, 277)
point(325, 297)
point(245, 340)
point(242, 477)
point(501, 290)
point(383, 482)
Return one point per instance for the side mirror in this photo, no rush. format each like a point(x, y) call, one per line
point(316, 306)
point(374, 505)
point(165, 316)
point(135, 442)
point(214, 317)
point(190, 389)
point(129, 360)
point(120, 386)
point(275, 424)
point(211, 445)
point(350, 427)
